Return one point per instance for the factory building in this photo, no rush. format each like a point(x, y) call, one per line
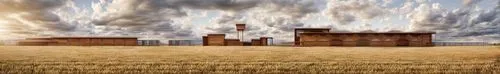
point(80, 41)
point(322, 37)
point(461, 43)
point(220, 39)
point(215, 40)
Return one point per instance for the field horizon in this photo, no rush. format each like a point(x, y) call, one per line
point(237, 59)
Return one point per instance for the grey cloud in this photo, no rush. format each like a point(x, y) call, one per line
point(275, 18)
point(29, 5)
point(293, 9)
point(150, 17)
point(462, 23)
point(347, 11)
point(33, 17)
point(230, 5)
point(153, 13)
point(470, 2)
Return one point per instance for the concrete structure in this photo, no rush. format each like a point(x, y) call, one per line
point(241, 30)
point(148, 42)
point(461, 43)
point(322, 37)
point(80, 41)
point(180, 42)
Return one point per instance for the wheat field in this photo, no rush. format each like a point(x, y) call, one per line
point(237, 60)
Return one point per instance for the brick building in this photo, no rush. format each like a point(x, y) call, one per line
point(215, 40)
point(233, 42)
point(256, 42)
point(80, 41)
point(219, 40)
point(322, 37)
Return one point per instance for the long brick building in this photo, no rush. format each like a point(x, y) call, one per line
point(322, 37)
point(80, 41)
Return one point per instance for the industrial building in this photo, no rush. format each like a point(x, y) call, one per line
point(322, 37)
point(461, 43)
point(80, 41)
point(220, 39)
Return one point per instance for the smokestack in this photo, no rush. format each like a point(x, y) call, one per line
point(240, 28)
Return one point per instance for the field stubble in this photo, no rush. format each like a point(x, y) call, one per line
point(473, 59)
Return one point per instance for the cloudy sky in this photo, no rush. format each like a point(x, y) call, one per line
point(453, 20)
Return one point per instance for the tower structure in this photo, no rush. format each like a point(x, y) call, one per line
point(240, 28)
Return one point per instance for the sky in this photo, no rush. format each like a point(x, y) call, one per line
point(452, 20)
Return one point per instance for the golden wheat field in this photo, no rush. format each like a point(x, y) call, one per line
point(198, 59)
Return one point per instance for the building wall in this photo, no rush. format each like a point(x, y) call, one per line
point(216, 40)
point(264, 41)
point(236, 42)
point(365, 39)
point(307, 30)
point(88, 41)
point(33, 43)
point(131, 42)
point(256, 42)
point(205, 41)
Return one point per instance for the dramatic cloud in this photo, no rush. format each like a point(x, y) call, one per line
point(180, 19)
point(149, 17)
point(465, 23)
point(275, 18)
point(347, 11)
point(32, 17)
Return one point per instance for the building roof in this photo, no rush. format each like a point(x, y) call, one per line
point(216, 34)
point(312, 28)
point(370, 33)
point(240, 24)
point(97, 37)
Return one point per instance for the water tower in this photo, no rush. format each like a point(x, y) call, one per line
point(240, 28)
